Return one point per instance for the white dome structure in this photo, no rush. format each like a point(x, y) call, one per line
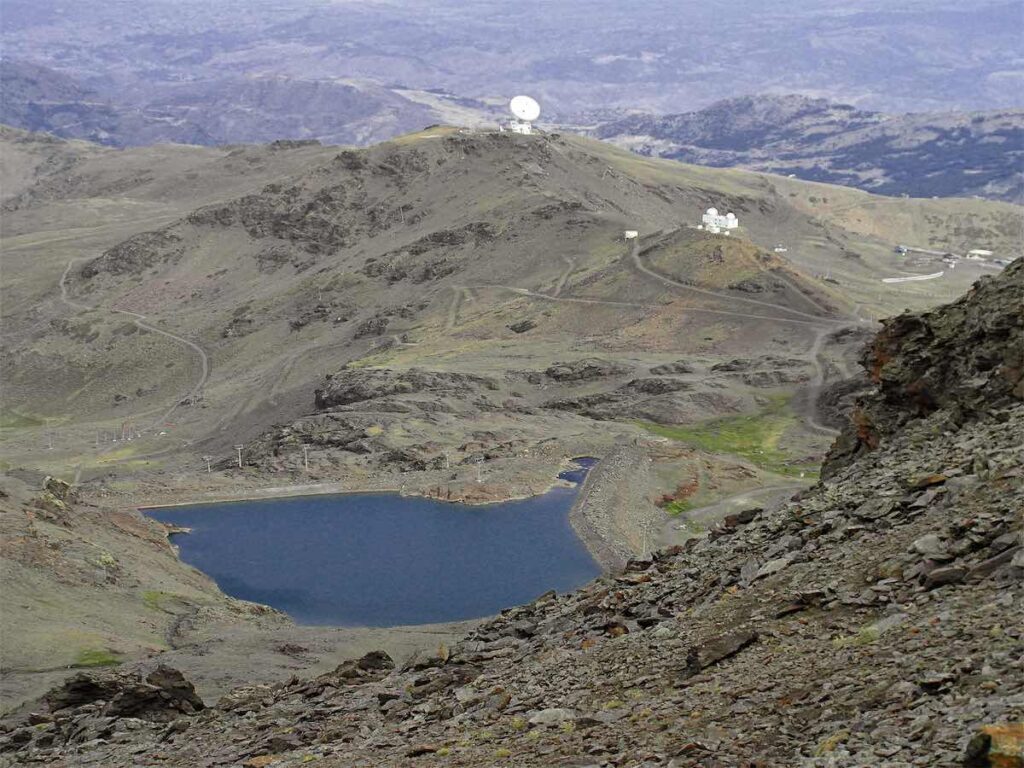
point(715, 223)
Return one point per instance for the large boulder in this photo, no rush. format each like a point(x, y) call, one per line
point(163, 695)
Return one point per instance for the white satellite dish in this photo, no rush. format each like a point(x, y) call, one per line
point(524, 108)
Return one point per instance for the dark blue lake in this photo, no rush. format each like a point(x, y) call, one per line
point(379, 559)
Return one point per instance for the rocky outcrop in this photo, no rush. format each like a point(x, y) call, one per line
point(136, 254)
point(586, 369)
point(669, 369)
point(161, 696)
point(962, 360)
point(354, 385)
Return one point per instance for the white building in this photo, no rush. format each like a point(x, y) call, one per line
point(517, 126)
point(712, 221)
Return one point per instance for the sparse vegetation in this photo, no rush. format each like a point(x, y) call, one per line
point(678, 506)
point(106, 560)
point(11, 419)
point(96, 657)
point(755, 437)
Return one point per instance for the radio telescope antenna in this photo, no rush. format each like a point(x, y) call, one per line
point(524, 111)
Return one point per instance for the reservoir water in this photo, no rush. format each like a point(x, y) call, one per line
point(380, 559)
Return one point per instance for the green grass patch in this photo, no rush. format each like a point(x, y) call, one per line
point(678, 506)
point(164, 602)
point(93, 657)
point(754, 437)
point(11, 419)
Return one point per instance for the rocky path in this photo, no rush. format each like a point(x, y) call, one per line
point(811, 397)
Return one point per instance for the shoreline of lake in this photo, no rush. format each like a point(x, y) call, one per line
point(606, 553)
point(294, 552)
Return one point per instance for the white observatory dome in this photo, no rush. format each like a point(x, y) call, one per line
point(730, 215)
point(712, 211)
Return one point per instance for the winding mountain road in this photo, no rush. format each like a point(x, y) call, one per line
point(139, 321)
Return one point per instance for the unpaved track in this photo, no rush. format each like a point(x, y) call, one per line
point(585, 523)
point(803, 296)
point(814, 391)
point(564, 277)
point(139, 320)
point(808, 318)
point(814, 354)
point(724, 506)
point(610, 303)
point(462, 295)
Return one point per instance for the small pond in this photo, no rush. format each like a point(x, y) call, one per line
point(380, 559)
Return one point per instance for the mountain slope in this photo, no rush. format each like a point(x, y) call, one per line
point(446, 251)
point(921, 155)
point(222, 110)
point(451, 313)
point(875, 619)
point(37, 98)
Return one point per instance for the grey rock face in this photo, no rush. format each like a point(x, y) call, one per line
point(963, 360)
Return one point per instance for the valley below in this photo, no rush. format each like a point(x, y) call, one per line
point(452, 316)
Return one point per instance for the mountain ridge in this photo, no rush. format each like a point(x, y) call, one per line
point(921, 155)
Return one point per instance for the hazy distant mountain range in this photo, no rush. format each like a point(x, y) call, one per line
point(358, 72)
point(223, 111)
point(574, 55)
point(921, 155)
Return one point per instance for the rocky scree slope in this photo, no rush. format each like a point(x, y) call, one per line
point(957, 362)
point(954, 154)
point(874, 620)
